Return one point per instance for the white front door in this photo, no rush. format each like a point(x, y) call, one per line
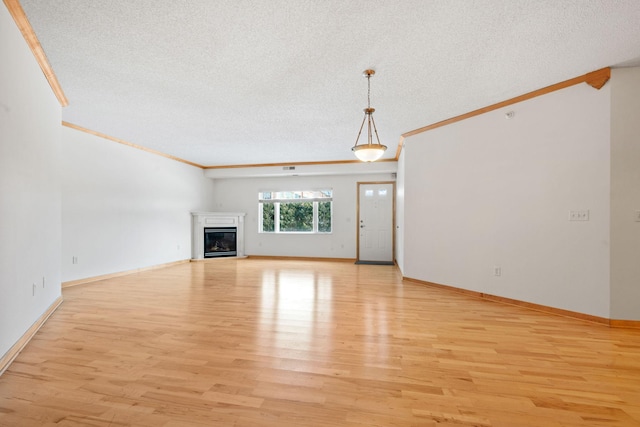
point(375, 222)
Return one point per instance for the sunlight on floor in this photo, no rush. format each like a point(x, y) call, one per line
point(295, 309)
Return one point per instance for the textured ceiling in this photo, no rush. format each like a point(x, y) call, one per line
point(231, 82)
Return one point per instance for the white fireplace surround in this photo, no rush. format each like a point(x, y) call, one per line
point(200, 220)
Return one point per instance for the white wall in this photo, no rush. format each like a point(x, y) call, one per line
point(625, 193)
point(123, 208)
point(241, 195)
point(400, 224)
point(490, 192)
point(29, 188)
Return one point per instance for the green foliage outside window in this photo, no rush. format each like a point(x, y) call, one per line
point(268, 213)
point(296, 216)
point(324, 217)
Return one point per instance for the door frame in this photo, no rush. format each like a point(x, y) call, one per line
point(393, 218)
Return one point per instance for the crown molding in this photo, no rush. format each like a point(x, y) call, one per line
point(595, 79)
point(20, 18)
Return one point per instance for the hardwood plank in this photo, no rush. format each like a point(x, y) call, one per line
point(6, 360)
point(263, 342)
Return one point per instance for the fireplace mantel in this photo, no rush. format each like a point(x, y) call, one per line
point(200, 220)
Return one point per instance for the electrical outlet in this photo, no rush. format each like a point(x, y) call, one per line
point(579, 215)
point(497, 271)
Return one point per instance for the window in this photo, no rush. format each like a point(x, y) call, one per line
point(295, 211)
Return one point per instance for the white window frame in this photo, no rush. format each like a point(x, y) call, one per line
point(276, 210)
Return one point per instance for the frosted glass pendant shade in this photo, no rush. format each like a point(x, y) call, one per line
point(368, 152)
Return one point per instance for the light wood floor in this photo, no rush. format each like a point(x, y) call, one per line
point(293, 343)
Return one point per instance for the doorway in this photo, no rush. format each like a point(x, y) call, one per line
point(376, 217)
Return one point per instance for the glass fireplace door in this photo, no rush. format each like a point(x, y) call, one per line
point(219, 242)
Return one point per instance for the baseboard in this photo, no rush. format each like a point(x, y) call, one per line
point(375, 263)
point(301, 258)
point(221, 258)
point(532, 306)
point(121, 273)
point(26, 337)
point(632, 324)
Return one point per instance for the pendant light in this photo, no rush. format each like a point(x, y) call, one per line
point(368, 152)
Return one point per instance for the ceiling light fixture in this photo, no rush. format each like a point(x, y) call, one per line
point(368, 152)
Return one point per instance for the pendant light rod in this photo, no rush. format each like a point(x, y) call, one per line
point(368, 152)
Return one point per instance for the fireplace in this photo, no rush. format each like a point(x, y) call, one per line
point(216, 223)
point(220, 241)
